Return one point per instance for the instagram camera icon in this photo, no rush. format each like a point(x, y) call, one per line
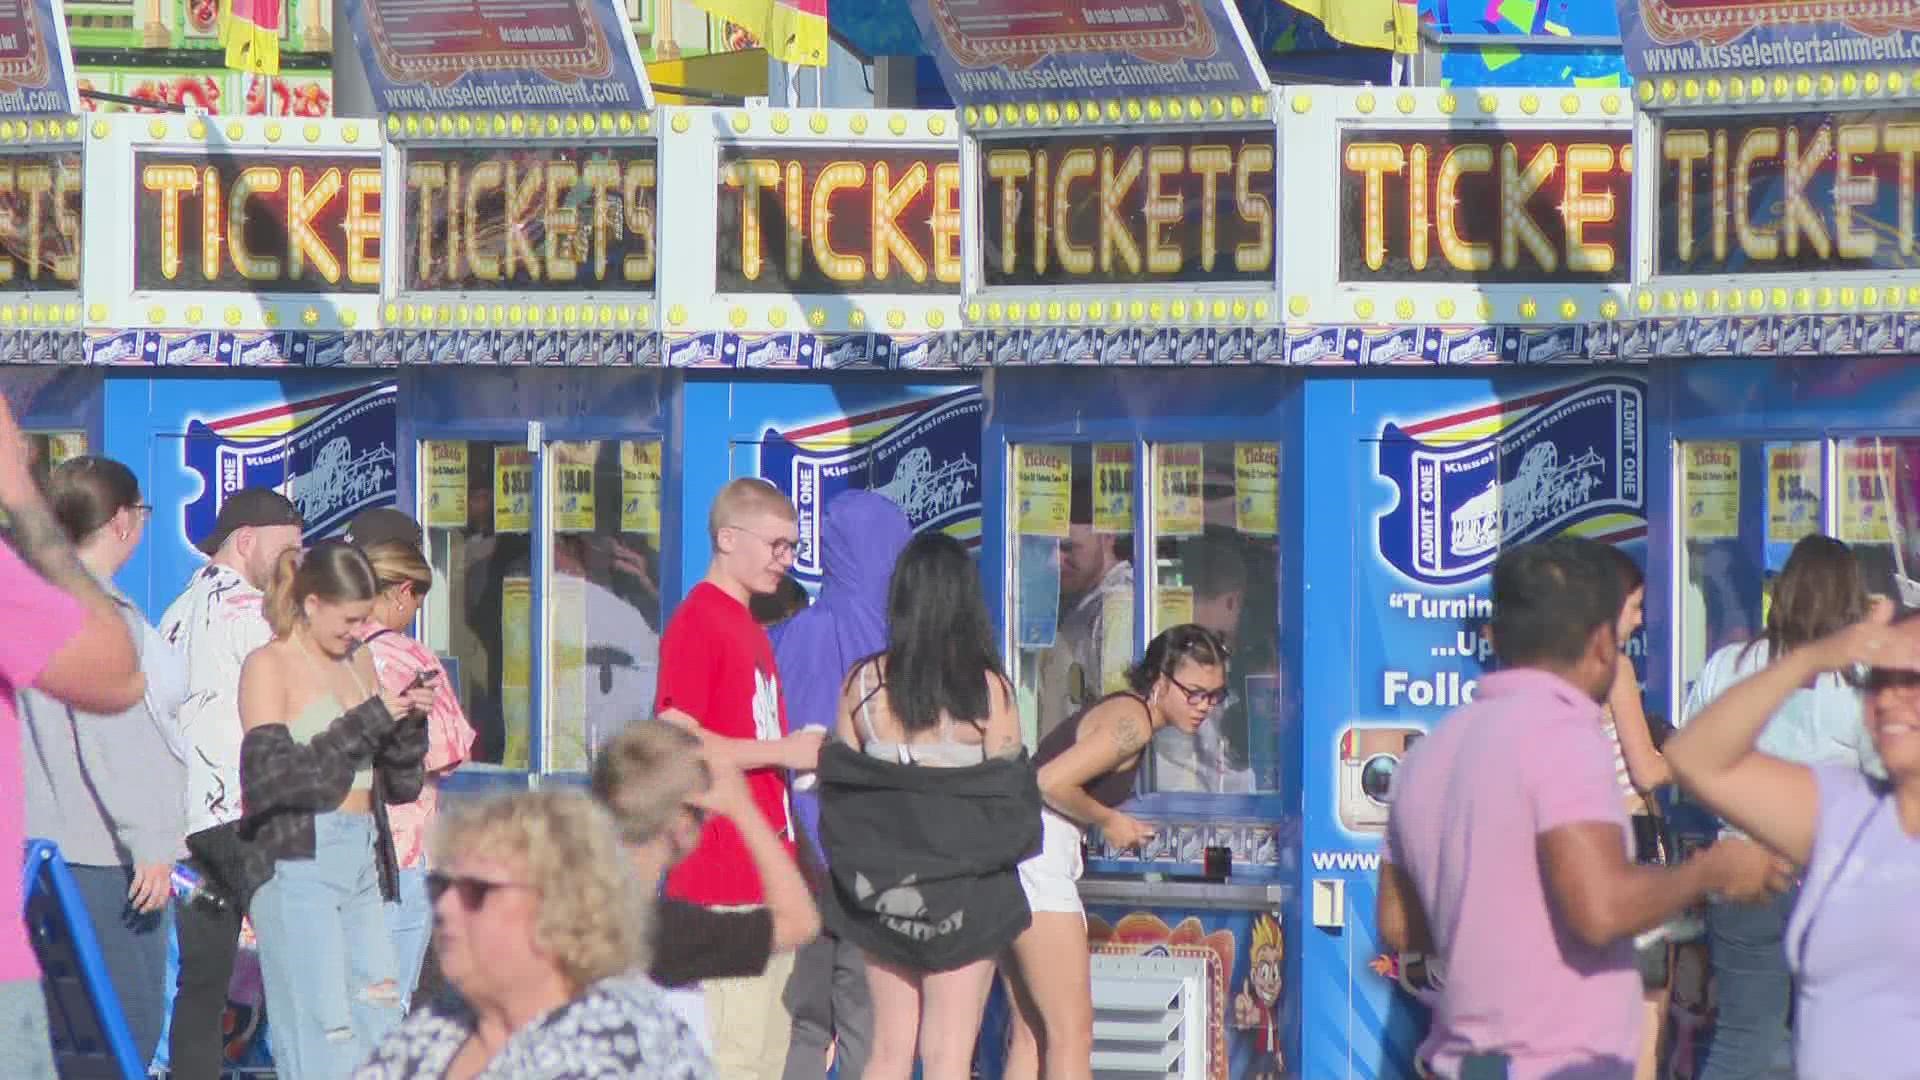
point(1369, 756)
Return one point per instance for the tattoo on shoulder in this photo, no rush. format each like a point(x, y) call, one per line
point(1004, 746)
point(1129, 733)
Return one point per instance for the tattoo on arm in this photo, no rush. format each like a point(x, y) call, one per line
point(43, 545)
point(1129, 734)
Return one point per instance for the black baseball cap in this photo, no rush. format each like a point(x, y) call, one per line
point(248, 508)
point(383, 525)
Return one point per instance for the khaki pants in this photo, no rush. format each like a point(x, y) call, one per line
point(750, 1024)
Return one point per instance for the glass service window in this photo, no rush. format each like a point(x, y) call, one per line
point(603, 597)
point(478, 515)
point(1073, 599)
point(1743, 505)
point(1216, 512)
point(1877, 511)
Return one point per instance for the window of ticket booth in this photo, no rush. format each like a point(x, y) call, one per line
point(1073, 563)
point(1743, 504)
point(603, 598)
point(478, 510)
point(1216, 561)
point(541, 495)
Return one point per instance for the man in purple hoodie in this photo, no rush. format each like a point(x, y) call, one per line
point(864, 535)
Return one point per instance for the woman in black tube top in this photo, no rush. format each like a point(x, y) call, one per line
point(1087, 767)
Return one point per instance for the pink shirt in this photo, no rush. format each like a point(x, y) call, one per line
point(39, 620)
point(397, 659)
point(1527, 757)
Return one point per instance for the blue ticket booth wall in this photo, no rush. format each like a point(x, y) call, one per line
point(1749, 456)
point(540, 490)
point(1411, 486)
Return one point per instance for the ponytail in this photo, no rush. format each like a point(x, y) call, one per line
point(333, 570)
point(280, 608)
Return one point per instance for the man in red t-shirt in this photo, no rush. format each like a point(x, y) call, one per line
point(716, 666)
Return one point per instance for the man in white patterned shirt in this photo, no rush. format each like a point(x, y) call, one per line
point(214, 624)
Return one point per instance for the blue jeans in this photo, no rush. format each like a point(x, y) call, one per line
point(326, 957)
point(411, 923)
point(1753, 986)
point(26, 1047)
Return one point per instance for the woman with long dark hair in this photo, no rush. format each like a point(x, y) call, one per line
point(1087, 767)
point(1819, 592)
point(315, 778)
point(112, 790)
point(939, 787)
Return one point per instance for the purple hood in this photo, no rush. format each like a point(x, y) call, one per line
point(863, 536)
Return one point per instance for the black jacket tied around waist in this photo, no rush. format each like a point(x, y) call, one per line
point(925, 861)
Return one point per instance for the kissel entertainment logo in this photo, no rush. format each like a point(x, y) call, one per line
point(1564, 461)
point(921, 454)
point(332, 455)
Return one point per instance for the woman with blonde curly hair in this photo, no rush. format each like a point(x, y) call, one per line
point(542, 929)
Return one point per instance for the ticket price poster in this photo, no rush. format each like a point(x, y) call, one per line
point(640, 488)
point(573, 505)
point(446, 485)
point(1866, 470)
point(1256, 488)
point(1112, 488)
point(512, 489)
point(1045, 489)
point(1179, 508)
point(1712, 490)
point(1793, 492)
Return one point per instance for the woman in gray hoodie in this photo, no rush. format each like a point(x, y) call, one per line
point(111, 790)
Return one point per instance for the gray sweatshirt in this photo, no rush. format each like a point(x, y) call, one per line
point(110, 790)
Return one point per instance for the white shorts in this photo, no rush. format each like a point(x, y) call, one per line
point(1051, 878)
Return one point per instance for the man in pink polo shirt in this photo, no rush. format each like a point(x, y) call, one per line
point(1508, 845)
point(60, 634)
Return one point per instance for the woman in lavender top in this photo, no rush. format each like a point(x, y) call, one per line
point(1851, 942)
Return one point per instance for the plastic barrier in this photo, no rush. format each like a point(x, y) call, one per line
point(90, 1037)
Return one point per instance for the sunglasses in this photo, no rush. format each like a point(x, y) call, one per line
point(472, 891)
point(1879, 679)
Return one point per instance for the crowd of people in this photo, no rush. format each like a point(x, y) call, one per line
point(817, 846)
point(1548, 920)
point(825, 838)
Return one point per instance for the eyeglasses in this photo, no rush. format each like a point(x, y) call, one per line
point(473, 891)
point(1200, 697)
point(781, 547)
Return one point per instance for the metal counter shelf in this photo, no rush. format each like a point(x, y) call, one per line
point(1148, 892)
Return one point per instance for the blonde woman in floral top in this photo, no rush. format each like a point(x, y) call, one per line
point(543, 938)
point(399, 660)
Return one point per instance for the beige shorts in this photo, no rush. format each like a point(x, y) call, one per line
point(1051, 878)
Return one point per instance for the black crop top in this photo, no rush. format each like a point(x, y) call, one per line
point(1110, 790)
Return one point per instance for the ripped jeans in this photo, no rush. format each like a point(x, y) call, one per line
point(326, 957)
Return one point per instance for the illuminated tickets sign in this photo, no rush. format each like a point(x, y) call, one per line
point(834, 220)
point(40, 210)
point(1787, 193)
point(246, 221)
point(1486, 206)
point(541, 219)
point(1170, 208)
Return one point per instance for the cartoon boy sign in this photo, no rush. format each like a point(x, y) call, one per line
point(1256, 1007)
